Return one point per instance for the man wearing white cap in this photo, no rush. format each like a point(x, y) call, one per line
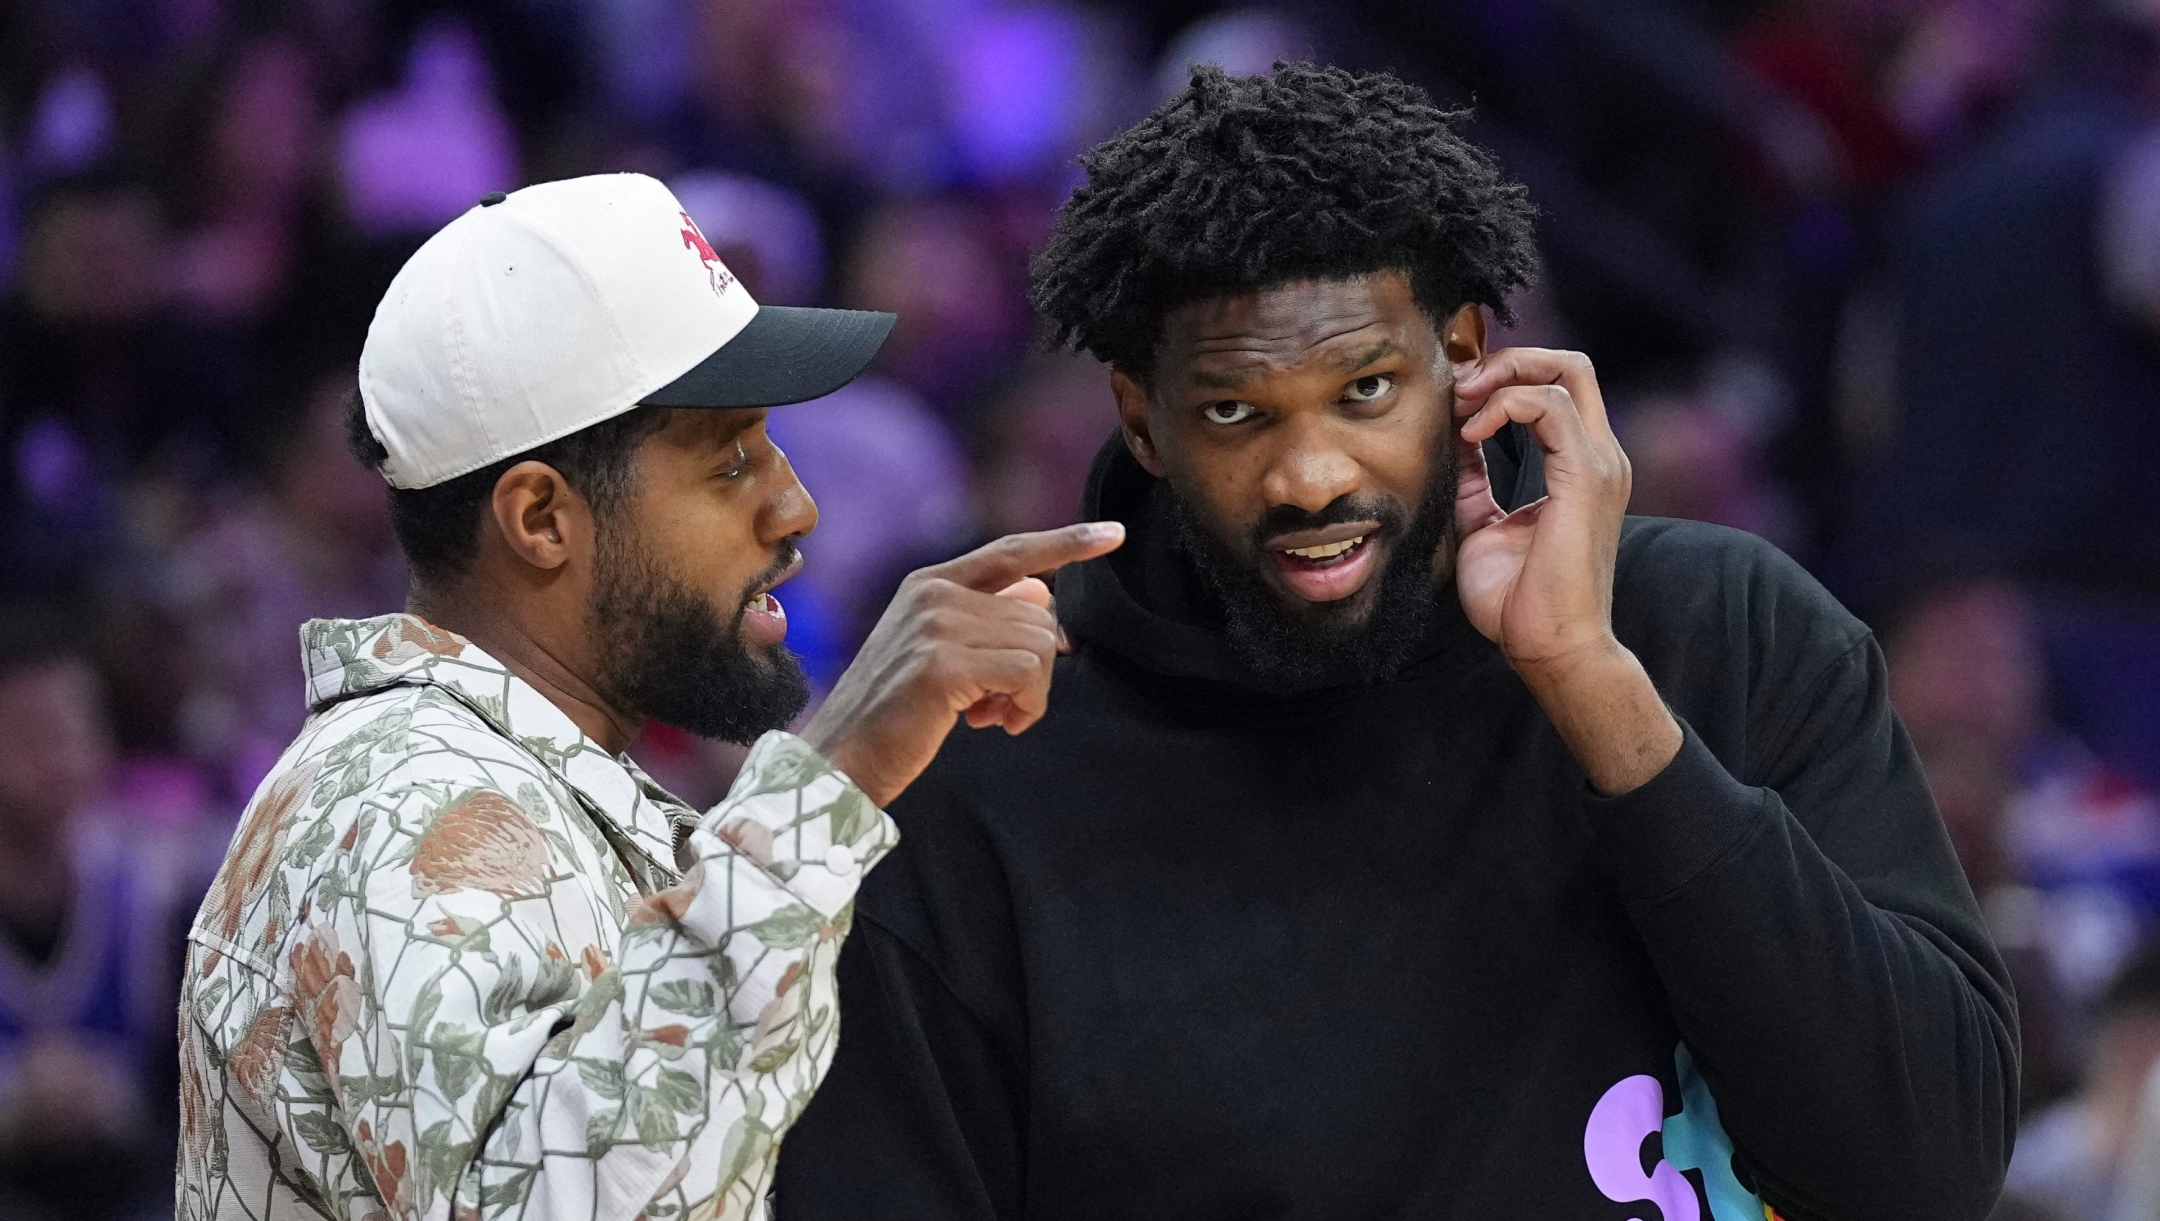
point(464, 959)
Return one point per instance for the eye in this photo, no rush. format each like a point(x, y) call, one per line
point(1369, 388)
point(1227, 411)
point(738, 464)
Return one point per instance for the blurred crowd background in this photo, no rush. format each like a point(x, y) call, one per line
point(1876, 279)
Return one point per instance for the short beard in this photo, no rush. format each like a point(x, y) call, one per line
point(1291, 650)
point(664, 655)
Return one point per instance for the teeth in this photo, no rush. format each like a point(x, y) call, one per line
point(1325, 550)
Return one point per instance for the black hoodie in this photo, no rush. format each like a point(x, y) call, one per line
point(1195, 948)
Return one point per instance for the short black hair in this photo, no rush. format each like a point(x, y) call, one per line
point(438, 527)
point(1253, 181)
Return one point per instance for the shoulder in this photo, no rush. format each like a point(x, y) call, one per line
point(946, 890)
point(1735, 633)
point(384, 748)
point(1688, 577)
point(402, 748)
point(946, 832)
point(1652, 548)
point(979, 775)
point(364, 786)
point(989, 795)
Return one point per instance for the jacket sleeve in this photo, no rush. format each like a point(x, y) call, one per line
point(1824, 957)
point(482, 1068)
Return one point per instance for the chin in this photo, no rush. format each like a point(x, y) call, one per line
point(1338, 618)
point(771, 654)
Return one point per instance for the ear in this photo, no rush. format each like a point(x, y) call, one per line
point(1462, 339)
point(539, 518)
point(1132, 409)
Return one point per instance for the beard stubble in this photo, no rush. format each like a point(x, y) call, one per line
point(669, 654)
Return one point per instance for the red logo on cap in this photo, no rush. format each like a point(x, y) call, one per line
point(694, 240)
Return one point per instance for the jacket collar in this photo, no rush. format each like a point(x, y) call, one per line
point(345, 658)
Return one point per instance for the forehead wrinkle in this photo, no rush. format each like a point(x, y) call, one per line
point(1261, 345)
point(1351, 362)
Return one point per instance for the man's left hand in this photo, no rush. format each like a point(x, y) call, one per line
point(1538, 582)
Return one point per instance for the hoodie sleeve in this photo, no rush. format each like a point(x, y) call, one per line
point(925, 1111)
point(1823, 955)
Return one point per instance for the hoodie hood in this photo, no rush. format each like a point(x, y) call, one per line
point(1143, 602)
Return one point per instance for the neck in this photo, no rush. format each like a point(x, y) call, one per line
point(542, 665)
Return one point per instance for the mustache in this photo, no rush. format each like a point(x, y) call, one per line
point(784, 557)
point(1284, 518)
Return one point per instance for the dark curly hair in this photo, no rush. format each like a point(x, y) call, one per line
point(1247, 182)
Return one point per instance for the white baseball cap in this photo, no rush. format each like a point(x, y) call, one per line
point(547, 310)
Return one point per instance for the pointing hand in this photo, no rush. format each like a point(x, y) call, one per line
point(974, 635)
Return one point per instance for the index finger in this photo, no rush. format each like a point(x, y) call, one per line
point(1571, 371)
point(993, 566)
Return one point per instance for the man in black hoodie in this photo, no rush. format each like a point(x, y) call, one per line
point(1384, 854)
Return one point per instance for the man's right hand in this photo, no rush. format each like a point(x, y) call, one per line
point(950, 644)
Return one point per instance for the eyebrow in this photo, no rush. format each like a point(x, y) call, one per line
point(1233, 378)
point(1229, 380)
point(730, 436)
point(1352, 363)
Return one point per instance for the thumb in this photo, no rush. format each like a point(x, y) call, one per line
point(1475, 506)
point(1032, 589)
point(1028, 589)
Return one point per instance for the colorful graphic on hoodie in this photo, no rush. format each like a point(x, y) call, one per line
point(1693, 1140)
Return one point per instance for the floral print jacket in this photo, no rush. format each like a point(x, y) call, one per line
point(461, 962)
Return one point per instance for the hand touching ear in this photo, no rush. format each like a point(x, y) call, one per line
point(1538, 582)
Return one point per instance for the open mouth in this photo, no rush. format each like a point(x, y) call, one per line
point(764, 620)
point(1326, 555)
point(1328, 564)
point(762, 591)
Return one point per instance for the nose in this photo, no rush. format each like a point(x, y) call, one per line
point(1309, 470)
point(789, 512)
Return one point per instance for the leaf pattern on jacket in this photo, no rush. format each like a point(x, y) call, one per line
point(411, 637)
point(254, 1064)
point(449, 971)
point(484, 842)
point(245, 874)
point(327, 989)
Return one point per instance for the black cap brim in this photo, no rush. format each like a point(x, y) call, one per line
point(786, 355)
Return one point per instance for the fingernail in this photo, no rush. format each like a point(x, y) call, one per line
point(1104, 531)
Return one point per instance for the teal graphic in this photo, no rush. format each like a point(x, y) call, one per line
point(1695, 1140)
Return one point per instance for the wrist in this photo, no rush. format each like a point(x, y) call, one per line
point(830, 739)
point(1591, 660)
point(1609, 713)
point(818, 733)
